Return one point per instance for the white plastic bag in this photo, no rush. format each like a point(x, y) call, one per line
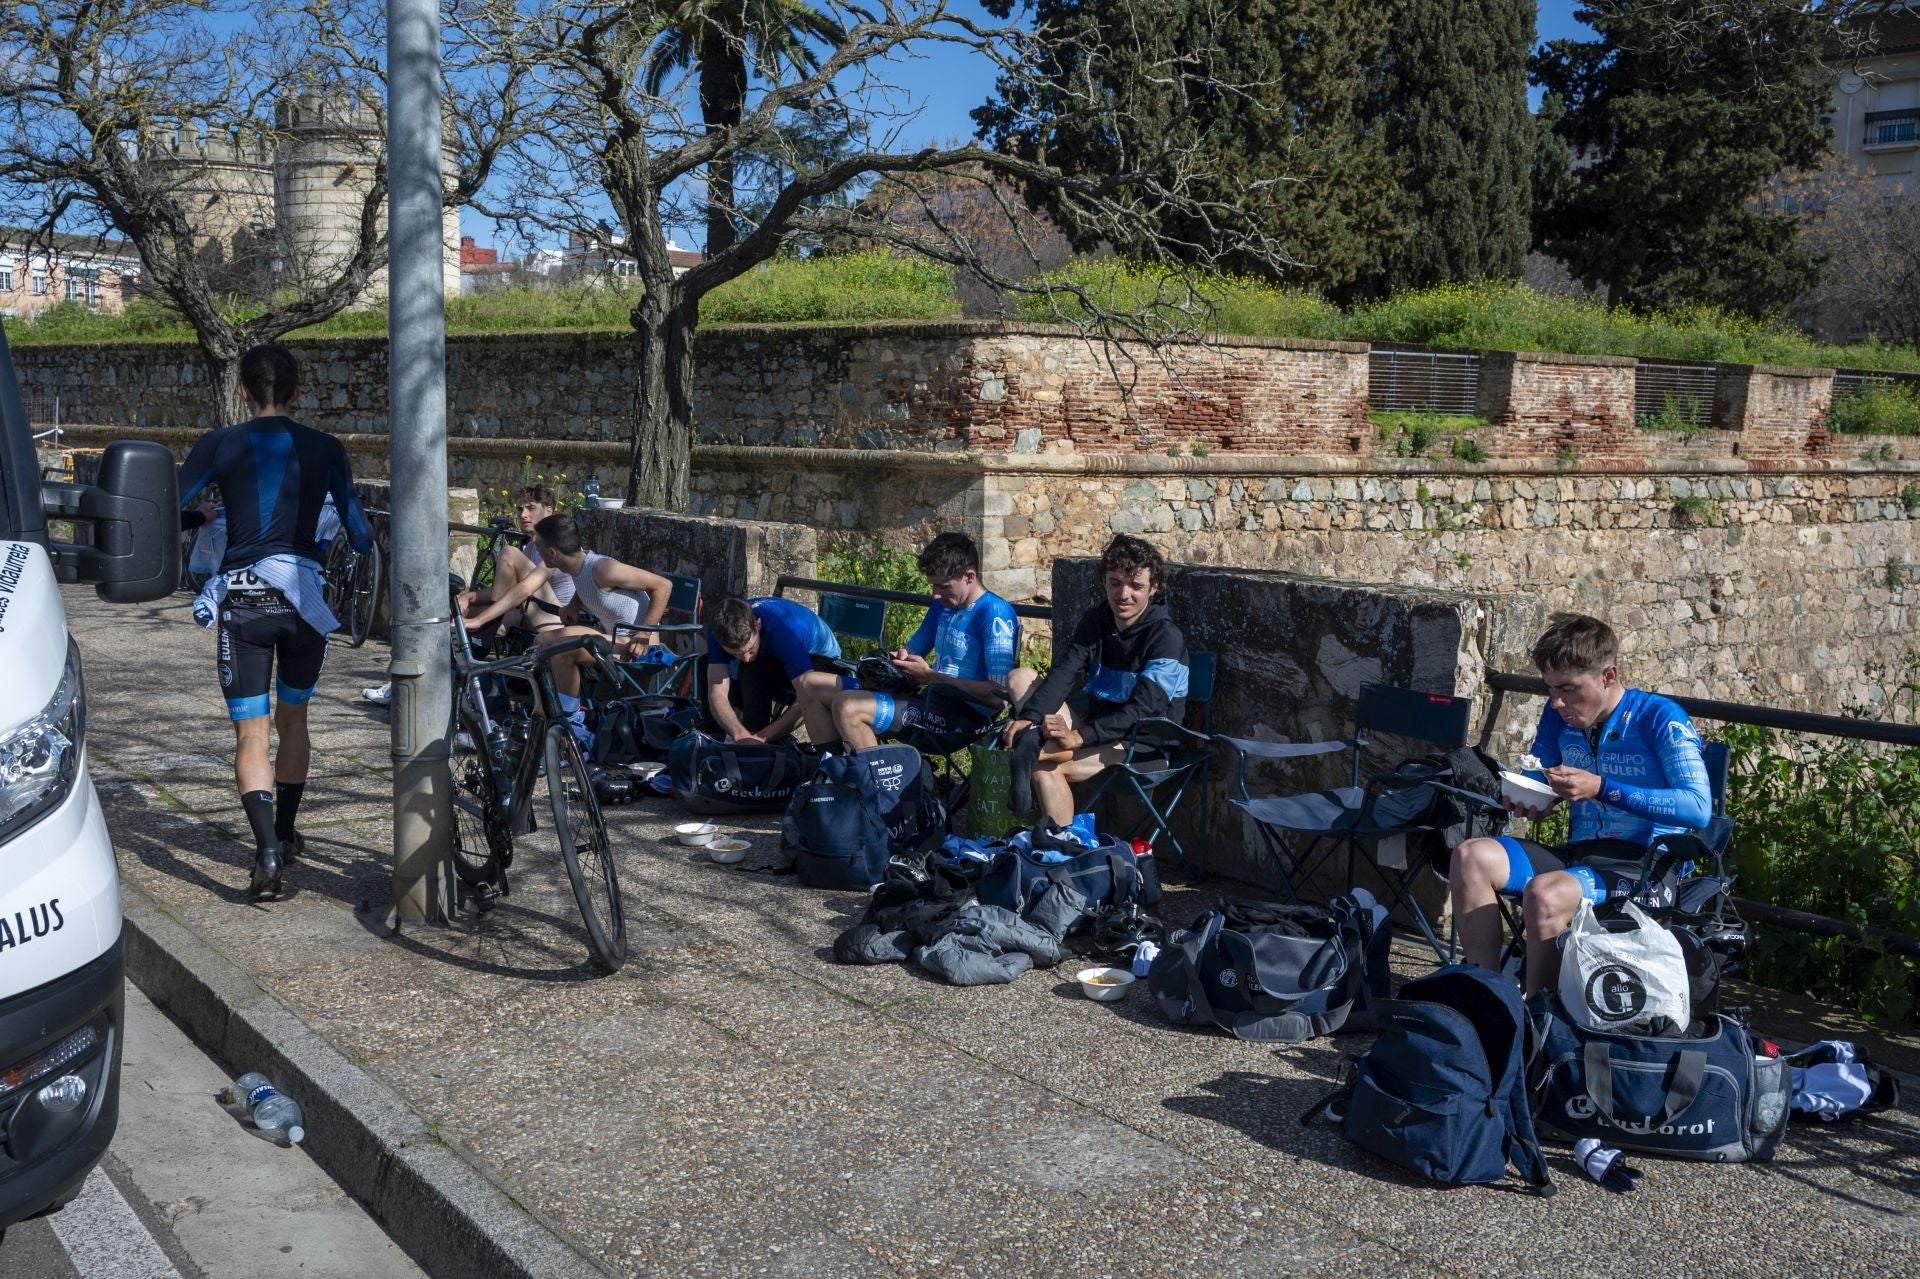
point(1624, 983)
point(209, 547)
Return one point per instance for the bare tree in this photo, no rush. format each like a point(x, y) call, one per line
point(1866, 231)
point(604, 146)
point(189, 126)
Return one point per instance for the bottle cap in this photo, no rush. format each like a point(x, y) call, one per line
point(296, 1135)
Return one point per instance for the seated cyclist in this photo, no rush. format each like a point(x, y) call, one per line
point(1125, 661)
point(543, 607)
point(974, 637)
point(624, 600)
point(1630, 763)
point(761, 651)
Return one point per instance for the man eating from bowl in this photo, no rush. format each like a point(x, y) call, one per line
point(1631, 765)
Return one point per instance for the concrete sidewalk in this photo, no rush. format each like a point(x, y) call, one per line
point(735, 1103)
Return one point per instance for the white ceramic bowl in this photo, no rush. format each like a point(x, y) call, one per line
point(645, 770)
point(1528, 792)
point(1113, 983)
point(696, 834)
point(728, 851)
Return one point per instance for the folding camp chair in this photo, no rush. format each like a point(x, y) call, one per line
point(680, 632)
point(1377, 821)
point(1166, 756)
point(854, 617)
point(1691, 852)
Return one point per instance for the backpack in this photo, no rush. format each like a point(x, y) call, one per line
point(857, 812)
point(713, 777)
point(1708, 1095)
point(1277, 974)
point(1442, 1092)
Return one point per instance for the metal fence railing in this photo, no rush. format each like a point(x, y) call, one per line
point(1413, 379)
point(1675, 390)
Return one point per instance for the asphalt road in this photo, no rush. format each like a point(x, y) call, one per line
point(187, 1191)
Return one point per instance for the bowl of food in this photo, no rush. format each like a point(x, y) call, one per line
point(728, 851)
point(696, 834)
point(645, 770)
point(1527, 792)
point(1104, 984)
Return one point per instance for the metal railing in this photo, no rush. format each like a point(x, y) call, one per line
point(785, 583)
point(1865, 730)
point(1893, 128)
point(1415, 379)
point(1675, 387)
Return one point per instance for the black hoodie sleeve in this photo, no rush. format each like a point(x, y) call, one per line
point(1162, 681)
point(1070, 663)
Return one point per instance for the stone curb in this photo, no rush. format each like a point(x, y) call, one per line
point(447, 1214)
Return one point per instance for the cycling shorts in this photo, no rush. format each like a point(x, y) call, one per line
point(257, 624)
point(1606, 868)
point(940, 710)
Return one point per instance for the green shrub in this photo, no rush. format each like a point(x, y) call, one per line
point(1877, 408)
point(1686, 416)
point(144, 320)
point(1695, 512)
point(835, 289)
point(1910, 497)
point(1412, 433)
point(1223, 305)
point(1467, 449)
point(1833, 828)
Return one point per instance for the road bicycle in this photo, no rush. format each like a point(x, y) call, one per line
point(514, 749)
point(353, 583)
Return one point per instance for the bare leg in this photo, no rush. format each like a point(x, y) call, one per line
point(1548, 904)
point(1478, 871)
point(566, 667)
point(853, 716)
point(295, 756)
point(252, 770)
point(1020, 682)
point(1059, 768)
point(814, 694)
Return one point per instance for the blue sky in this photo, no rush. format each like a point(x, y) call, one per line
point(950, 82)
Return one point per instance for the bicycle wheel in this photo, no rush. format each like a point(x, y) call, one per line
point(482, 842)
point(583, 846)
point(363, 595)
point(334, 571)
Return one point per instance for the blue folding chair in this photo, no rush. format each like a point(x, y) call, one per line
point(1302, 833)
point(852, 617)
point(680, 632)
point(1164, 755)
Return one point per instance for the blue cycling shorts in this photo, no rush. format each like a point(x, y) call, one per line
point(1605, 868)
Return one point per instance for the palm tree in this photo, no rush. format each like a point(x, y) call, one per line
point(713, 36)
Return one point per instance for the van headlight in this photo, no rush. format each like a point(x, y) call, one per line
point(40, 759)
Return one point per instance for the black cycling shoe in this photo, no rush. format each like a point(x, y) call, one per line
point(265, 884)
point(293, 848)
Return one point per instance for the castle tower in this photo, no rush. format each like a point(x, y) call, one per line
point(329, 147)
point(225, 182)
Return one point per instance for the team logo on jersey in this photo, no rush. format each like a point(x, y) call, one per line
point(1003, 629)
point(1681, 733)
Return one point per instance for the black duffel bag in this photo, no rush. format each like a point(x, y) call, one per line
point(1278, 973)
point(632, 730)
point(715, 778)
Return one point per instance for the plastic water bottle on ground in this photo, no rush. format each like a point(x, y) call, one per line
point(1605, 1165)
point(272, 1111)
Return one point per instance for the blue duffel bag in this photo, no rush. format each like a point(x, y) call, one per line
point(1707, 1095)
point(1066, 893)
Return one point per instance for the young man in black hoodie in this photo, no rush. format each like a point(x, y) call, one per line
point(1126, 659)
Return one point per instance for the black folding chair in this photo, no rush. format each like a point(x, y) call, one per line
point(1164, 756)
point(678, 678)
point(1378, 822)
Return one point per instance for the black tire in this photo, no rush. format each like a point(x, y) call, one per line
point(482, 843)
point(362, 595)
point(584, 848)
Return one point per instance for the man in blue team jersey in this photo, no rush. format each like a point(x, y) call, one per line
point(974, 636)
point(275, 476)
point(1630, 763)
point(760, 651)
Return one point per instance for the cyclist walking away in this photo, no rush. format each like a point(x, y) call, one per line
point(268, 600)
point(621, 598)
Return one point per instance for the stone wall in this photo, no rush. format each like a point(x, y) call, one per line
point(730, 557)
point(1292, 653)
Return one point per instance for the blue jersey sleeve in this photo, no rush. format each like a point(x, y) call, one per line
point(200, 467)
point(921, 642)
point(1546, 738)
point(340, 484)
point(1686, 799)
point(999, 640)
point(793, 633)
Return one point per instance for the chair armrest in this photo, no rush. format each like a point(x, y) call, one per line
point(1159, 731)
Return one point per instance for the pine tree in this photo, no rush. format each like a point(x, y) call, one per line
point(1274, 93)
point(1454, 108)
point(1681, 111)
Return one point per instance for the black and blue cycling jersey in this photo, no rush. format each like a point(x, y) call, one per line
point(274, 475)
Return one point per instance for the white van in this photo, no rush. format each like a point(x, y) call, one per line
point(61, 991)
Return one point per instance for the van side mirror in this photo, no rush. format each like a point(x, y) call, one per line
point(134, 512)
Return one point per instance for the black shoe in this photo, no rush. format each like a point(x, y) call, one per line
point(265, 885)
point(293, 848)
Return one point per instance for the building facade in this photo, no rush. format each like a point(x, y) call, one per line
point(39, 272)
